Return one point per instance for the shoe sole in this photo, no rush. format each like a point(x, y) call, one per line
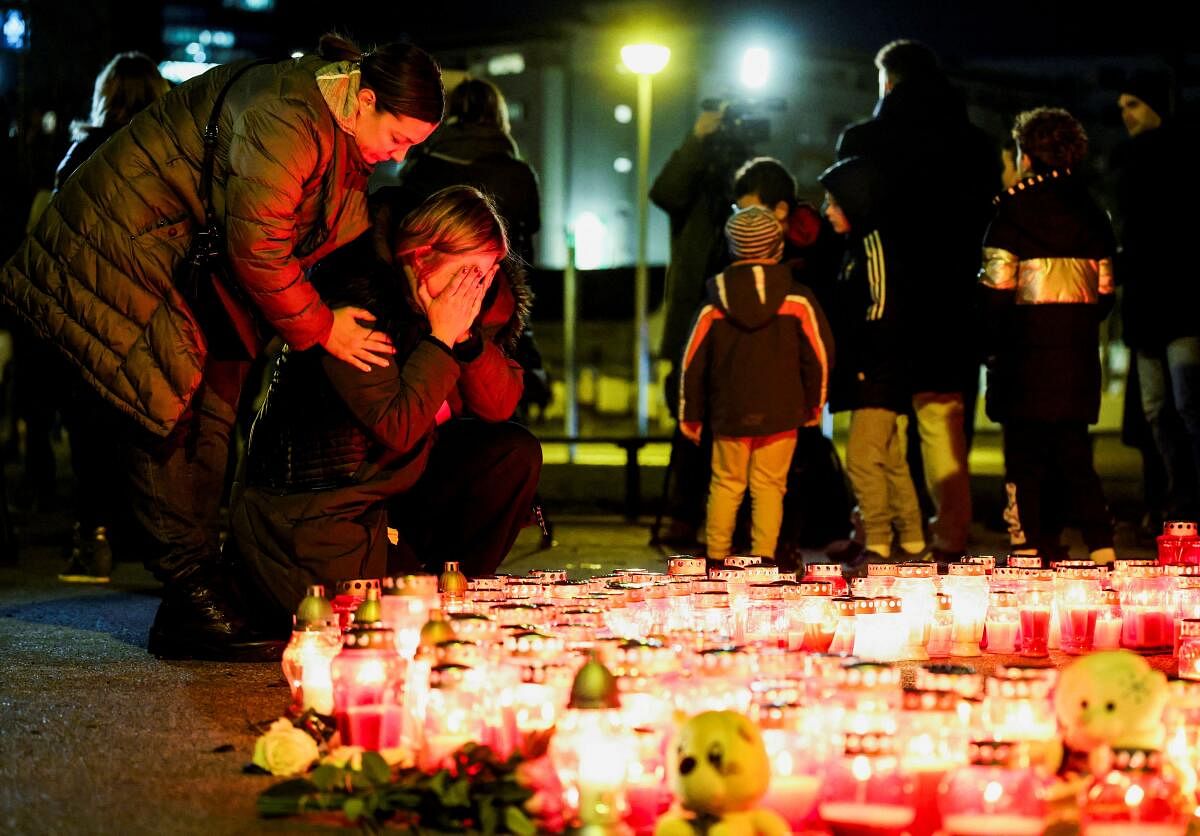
point(172, 648)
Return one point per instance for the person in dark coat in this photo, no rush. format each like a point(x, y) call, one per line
point(1047, 283)
point(128, 84)
point(870, 378)
point(1160, 299)
point(296, 142)
point(474, 147)
point(939, 173)
point(422, 444)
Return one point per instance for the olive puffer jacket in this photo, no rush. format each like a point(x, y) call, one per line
point(95, 277)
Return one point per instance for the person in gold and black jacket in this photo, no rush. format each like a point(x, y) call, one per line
point(422, 444)
point(1047, 285)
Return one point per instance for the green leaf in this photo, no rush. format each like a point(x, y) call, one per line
point(488, 819)
point(353, 809)
point(517, 822)
point(437, 785)
point(327, 777)
point(376, 769)
point(458, 794)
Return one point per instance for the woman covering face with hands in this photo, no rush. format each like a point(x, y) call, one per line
point(422, 443)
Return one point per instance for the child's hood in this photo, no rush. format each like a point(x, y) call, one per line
point(751, 294)
point(856, 185)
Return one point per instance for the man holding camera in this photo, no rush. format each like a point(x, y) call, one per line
point(940, 174)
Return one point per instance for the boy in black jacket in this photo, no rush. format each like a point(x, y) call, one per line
point(755, 368)
point(1047, 285)
point(871, 379)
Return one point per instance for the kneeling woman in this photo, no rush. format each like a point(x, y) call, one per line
point(424, 443)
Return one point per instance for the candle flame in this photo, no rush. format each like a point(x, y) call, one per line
point(993, 792)
point(1134, 796)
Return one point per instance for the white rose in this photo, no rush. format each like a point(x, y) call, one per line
point(285, 749)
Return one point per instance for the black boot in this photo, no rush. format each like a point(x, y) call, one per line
point(198, 619)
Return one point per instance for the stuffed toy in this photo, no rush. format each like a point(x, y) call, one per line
point(1111, 699)
point(719, 771)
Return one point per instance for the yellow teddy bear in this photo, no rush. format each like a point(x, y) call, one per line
point(719, 771)
point(1111, 699)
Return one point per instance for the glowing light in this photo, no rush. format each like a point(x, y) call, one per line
point(645, 59)
point(1134, 796)
point(510, 63)
point(297, 54)
point(623, 113)
point(14, 30)
point(371, 672)
point(180, 71)
point(591, 241)
point(622, 165)
point(860, 768)
point(756, 67)
point(993, 792)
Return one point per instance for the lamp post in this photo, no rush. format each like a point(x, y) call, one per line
point(645, 60)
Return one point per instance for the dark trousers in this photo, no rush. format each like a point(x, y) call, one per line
point(1041, 457)
point(176, 483)
point(472, 500)
point(690, 466)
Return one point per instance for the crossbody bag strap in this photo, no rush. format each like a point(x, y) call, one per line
point(211, 132)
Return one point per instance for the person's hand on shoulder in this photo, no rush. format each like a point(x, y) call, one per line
point(352, 342)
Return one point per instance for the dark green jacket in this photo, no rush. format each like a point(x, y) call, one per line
point(95, 277)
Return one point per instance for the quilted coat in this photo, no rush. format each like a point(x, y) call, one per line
point(94, 277)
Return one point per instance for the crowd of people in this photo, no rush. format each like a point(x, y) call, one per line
point(200, 235)
point(958, 250)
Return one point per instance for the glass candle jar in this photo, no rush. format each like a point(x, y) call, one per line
point(683, 565)
point(1108, 621)
point(881, 633)
point(916, 587)
point(1017, 707)
point(367, 689)
point(720, 681)
point(831, 572)
point(767, 618)
point(1186, 602)
point(406, 603)
point(307, 667)
point(1024, 561)
point(968, 588)
point(1189, 648)
point(814, 621)
point(1076, 595)
point(454, 715)
point(987, 561)
point(1003, 625)
point(865, 790)
point(843, 635)
point(1177, 537)
point(941, 629)
point(997, 793)
point(1034, 608)
point(933, 739)
point(1135, 796)
point(797, 763)
point(1147, 623)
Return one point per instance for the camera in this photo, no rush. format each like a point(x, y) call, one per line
point(740, 121)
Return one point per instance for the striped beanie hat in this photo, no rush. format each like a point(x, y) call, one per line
point(754, 233)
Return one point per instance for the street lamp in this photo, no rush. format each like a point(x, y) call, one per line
point(645, 60)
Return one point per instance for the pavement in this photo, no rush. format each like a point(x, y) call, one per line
point(98, 737)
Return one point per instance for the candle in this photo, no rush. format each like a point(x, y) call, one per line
point(1108, 632)
point(940, 639)
point(852, 817)
point(979, 824)
point(316, 687)
point(373, 726)
point(1035, 630)
point(647, 800)
point(1078, 628)
point(1002, 636)
point(794, 797)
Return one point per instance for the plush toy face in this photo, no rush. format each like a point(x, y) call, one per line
point(1111, 698)
point(720, 764)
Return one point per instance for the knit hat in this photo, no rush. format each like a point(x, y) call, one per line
point(754, 234)
point(1152, 88)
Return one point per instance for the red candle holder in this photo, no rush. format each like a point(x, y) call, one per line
point(367, 687)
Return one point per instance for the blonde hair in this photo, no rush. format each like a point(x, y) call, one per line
point(455, 221)
point(127, 84)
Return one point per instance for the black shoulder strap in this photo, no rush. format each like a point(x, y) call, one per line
point(210, 140)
